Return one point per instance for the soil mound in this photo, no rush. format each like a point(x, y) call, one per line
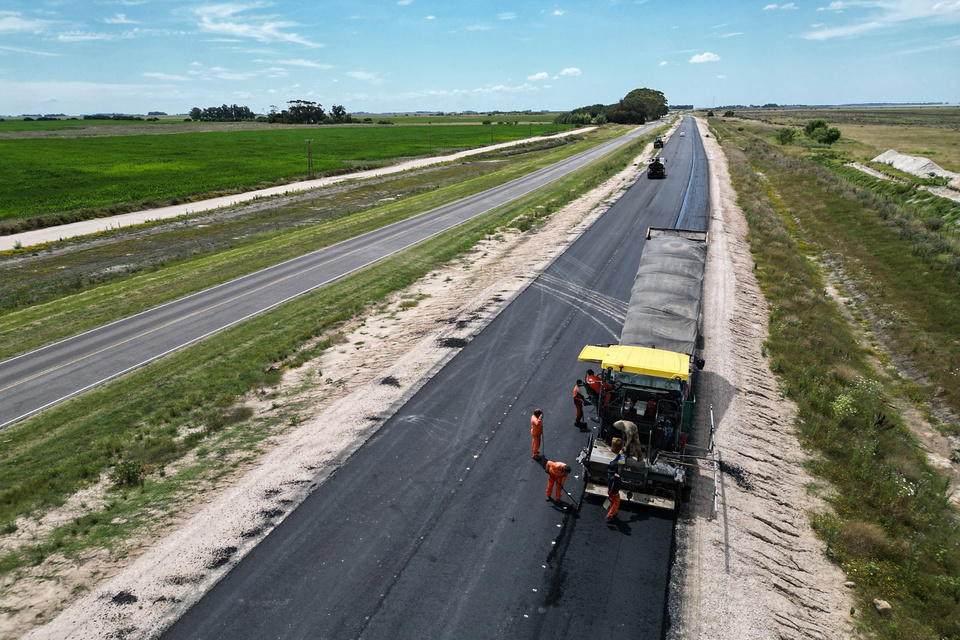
point(917, 166)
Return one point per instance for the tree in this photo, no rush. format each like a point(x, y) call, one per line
point(338, 113)
point(810, 127)
point(195, 113)
point(818, 131)
point(729, 114)
point(303, 112)
point(786, 135)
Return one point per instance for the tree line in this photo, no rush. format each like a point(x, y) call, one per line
point(297, 112)
point(637, 107)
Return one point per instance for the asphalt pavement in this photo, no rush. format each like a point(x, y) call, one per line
point(438, 526)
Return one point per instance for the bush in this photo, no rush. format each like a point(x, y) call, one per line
point(729, 114)
point(128, 473)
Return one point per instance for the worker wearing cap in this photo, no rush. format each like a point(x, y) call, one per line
point(613, 478)
point(578, 404)
point(631, 436)
point(557, 472)
point(536, 431)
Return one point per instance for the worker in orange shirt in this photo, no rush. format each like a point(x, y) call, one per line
point(536, 430)
point(595, 384)
point(558, 472)
point(578, 403)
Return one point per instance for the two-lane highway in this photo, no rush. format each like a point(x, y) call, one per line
point(35, 381)
point(437, 527)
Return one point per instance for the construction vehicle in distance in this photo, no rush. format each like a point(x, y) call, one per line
point(648, 379)
point(656, 169)
point(658, 143)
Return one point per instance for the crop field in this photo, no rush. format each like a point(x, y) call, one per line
point(44, 176)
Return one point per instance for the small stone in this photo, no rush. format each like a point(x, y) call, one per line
point(882, 606)
point(849, 584)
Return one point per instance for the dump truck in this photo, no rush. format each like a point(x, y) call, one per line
point(645, 394)
point(656, 169)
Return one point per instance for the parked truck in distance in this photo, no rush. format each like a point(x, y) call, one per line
point(658, 143)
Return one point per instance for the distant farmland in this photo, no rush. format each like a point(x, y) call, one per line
point(47, 176)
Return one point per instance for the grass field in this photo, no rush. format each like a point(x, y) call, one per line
point(932, 132)
point(891, 528)
point(107, 174)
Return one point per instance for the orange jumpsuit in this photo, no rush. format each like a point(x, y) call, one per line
point(595, 384)
point(555, 470)
point(536, 430)
point(578, 403)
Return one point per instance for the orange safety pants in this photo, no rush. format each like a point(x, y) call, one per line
point(614, 504)
point(558, 482)
point(535, 445)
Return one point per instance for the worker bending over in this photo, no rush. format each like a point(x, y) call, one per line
point(631, 436)
point(558, 472)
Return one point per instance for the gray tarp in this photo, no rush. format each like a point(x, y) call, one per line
point(664, 308)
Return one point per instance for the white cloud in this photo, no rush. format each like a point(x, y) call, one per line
point(507, 16)
point(543, 75)
point(885, 14)
point(570, 71)
point(305, 63)
point(769, 7)
point(663, 63)
point(28, 51)
point(165, 76)
point(13, 22)
point(366, 76)
point(732, 35)
point(430, 18)
point(404, 3)
point(84, 36)
point(787, 6)
point(704, 57)
point(120, 18)
point(479, 27)
point(559, 12)
point(222, 19)
point(721, 77)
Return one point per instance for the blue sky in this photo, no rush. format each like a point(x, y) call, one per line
point(134, 56)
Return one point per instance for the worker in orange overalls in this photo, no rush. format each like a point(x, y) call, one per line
point(536, 430)
point(595, 384)
point(613, 478)
point(578, 403)
point(558, 472)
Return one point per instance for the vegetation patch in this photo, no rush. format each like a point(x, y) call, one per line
point(892, 528)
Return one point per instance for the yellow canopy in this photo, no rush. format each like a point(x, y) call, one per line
point(643, 360)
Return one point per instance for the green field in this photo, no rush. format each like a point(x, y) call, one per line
point(111, 174)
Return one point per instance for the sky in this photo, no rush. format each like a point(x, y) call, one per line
point(136, 56)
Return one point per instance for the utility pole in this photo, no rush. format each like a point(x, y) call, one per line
point(309, 159)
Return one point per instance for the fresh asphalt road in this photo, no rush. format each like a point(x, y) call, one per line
point(437, 526)
point(40, 379)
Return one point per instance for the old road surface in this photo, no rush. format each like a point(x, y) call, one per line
point(437, 527)
point(40, 379)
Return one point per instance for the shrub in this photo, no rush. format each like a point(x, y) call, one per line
point(128, 473)
point(786, 135)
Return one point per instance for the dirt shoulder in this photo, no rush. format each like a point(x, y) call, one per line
point(755, 569)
